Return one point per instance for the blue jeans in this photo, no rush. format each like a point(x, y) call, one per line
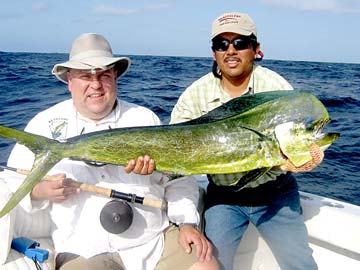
point(280, 224)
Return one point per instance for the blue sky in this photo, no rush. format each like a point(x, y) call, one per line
point(303, 30)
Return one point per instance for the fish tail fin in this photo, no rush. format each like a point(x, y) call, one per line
point(42, 165)
point(35, 143)
point(48, 152)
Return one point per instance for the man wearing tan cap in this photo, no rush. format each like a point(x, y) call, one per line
point(165, 239)
point(272, 201)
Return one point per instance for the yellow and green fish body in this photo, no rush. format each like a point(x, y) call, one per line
point(245, 134)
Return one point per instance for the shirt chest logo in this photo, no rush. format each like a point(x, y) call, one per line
point(58, 128)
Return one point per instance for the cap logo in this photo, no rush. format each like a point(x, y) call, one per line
point(229, 18)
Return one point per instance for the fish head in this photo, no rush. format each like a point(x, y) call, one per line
point(295, 139)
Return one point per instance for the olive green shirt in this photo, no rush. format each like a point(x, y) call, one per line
point(206, 94)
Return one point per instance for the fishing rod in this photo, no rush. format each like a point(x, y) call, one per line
point(110, 193)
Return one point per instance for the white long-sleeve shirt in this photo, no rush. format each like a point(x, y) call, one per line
point(78, 228)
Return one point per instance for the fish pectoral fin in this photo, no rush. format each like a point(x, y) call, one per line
point(249, 177)
point(262, 136)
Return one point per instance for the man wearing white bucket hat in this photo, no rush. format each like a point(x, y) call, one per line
point(79, 238)
point(271, 202)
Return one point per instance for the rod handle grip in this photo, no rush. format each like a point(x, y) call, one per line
point(154, 203)
point(94, 189)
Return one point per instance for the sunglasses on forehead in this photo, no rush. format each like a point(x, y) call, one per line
point(239, 43)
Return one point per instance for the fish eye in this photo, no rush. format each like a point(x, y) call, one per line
point(308, 123)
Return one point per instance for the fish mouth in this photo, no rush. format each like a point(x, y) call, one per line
point(319, 136)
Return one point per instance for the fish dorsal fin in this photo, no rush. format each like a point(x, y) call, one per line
point(241, 104)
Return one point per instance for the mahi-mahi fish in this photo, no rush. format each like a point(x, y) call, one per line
point(243, 135)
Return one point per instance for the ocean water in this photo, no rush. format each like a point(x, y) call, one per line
point(27, 87)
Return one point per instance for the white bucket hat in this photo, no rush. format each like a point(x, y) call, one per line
point(91, 51)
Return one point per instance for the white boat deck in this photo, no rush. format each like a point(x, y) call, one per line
point(334, 236)
point(333, 226)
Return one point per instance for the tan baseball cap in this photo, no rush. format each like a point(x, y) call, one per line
point(233, 22)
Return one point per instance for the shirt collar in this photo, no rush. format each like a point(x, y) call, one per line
point(223, 97)
point(110, 119)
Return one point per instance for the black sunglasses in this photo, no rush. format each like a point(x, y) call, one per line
point(239, 43)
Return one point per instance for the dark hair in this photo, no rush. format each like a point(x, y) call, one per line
point(215, 70)
point(253, 42)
